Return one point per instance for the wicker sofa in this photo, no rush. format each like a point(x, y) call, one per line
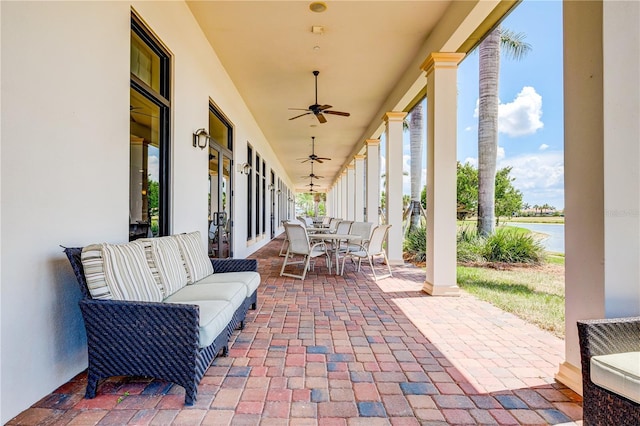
point(610, 337)
point(173, 339)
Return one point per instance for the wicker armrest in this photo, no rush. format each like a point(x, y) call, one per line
point(139, 330)
point(600, 406)
point(608, 336)
point(234, 265)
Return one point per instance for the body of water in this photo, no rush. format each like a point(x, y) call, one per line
point(553, 239)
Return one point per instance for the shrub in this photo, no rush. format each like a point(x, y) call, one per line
point(416, 244)
point(469, 247)
point(508, 246)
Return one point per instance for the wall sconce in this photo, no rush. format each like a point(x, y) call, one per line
point(201, 138)
point(279, 191)
point(244, 168)
point(271, 187)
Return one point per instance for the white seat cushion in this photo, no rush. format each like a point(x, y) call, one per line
point(232, 292)
point(619, 373)
point(250, 279)
point(214, 317)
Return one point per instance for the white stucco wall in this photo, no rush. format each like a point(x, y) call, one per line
point(65, 160)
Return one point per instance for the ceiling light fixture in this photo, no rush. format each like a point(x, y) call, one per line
point(318, 6)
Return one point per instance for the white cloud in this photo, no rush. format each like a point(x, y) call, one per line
point(500, 153)
point(153, 167)
point(522, 116)
point(469, 128)
point(543, 147)
point(540, 177)
point(471, 160)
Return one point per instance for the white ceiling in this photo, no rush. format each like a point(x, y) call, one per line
point(366, 49)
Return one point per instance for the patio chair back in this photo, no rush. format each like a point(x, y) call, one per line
point(298, 238)
point(299, 245)
point(378, 237)
point(344, 227)
point(333, 223)
point(370, 249)
point(362, 229)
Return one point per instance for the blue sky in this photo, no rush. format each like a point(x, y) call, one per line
point(531, 107)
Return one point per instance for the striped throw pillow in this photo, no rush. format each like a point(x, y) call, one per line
point(166, 263)
point(93, 266)
point(195, 256)
point(127, 273)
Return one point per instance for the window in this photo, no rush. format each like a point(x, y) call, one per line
point(249, 194)
point(149, 153)
point(258, 203)
point(263, 212)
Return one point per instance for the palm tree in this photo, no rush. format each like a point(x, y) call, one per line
point(415, 139)
point(516, 48)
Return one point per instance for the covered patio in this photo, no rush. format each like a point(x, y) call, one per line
point(78, 163)
point(345, 350)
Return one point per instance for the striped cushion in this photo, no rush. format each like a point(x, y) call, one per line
point(166, 264)
point(195, 256)
point(127, 273)
point(93, 266)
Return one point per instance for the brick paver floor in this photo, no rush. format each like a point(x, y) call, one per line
point(345, 350)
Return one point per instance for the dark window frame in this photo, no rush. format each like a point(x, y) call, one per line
point(163, 101)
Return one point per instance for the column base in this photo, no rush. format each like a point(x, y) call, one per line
point(396, 262)
point(570, 376)
point(437, 290)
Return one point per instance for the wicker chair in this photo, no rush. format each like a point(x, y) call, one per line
point(603, 337)
point(160, 340)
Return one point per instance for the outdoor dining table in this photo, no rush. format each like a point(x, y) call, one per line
point(314, 230)
point(334, 237)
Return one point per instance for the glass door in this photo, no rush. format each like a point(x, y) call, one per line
point(220, 185)
point(219, 204)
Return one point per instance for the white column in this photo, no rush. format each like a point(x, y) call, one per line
point(343, 195)
point(602, 180)
point(393, 190)
point(359, 188)
point(441, 70)
point(351, 191)
point(373, 181)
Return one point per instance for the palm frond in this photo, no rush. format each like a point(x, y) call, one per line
point(513, 44)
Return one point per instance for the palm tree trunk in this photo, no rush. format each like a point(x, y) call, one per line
point(415, 139)
point(488, 131)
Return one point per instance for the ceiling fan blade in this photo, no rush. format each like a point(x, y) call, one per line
point(321, 118)
point(322, 158)
point(304, 161)
point(344, 114)
point(318, 160)
point(298, 116)
point(323, 107)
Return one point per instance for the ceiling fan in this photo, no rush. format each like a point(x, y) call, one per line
point(313, 156)
point(317, 109)
point(312, 175)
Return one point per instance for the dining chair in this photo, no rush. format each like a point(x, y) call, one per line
point(370, 249)
point(299, 245)
point(363, 231)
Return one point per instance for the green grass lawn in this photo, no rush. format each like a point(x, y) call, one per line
point(535, 294)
